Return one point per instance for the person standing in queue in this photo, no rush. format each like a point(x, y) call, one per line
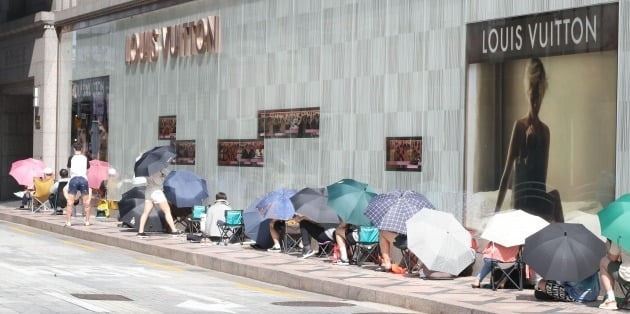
point(154, 195)
point(78, 165)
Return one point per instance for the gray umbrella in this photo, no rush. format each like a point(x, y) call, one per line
point(312, 203)
point(564, 251)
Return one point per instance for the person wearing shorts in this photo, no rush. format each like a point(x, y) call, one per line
point(155, 196)
point(78, 165)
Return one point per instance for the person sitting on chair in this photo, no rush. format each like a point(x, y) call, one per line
point(344, 236)
point(63, 177)
point(275, 236)
point(308, 229)
point(614, 266)
point(582, 291)
point(495, 252)
point(385, 240)
point(214, 214)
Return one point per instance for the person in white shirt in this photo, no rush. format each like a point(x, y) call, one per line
point(216, 213)
point(78, 165)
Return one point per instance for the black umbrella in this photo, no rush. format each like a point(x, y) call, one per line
point(313, 203)
point(135, 192)
point(153, 161)
point(130, 208)
point(564, 251)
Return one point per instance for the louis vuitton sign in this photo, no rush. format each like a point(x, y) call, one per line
point(186, 39)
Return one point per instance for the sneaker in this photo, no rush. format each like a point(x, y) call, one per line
point(274, 249)
point(341, 262)
point(308, 253)
point(141, 235)
point(177, 233)
point(608, 304)
point(67, 224)
point(87, 223)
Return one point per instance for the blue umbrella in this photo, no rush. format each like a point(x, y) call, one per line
point(390, 211)
point(256, 226)
point(185, 189)
point(277, 204)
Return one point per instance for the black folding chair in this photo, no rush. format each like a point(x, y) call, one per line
point(506, 270)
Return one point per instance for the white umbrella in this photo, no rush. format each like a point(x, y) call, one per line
point(439, 241)
point(590, 221)
point(510, 228)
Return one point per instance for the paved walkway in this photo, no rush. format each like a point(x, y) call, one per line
point(313, 274)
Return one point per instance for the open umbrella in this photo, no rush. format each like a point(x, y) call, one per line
point(23, 171)
point(615, 221)
point(256, 226)
point(153, 161)
point(97, 173)
point(390, 211)
point(590, 221)
point(563, 251)
point(439, 241)
point(277, 204)
point(312, 203)
point(130, 209)
point(185, 189)
point(510, 228)
point(349, 198)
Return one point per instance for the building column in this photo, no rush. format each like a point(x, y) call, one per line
point(45, 79)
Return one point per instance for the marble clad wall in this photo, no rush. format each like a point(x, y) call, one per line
point(377, 68)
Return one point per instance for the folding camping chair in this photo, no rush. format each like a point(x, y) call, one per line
point(40, 195)
point(367, 246)
point(624, 286)
point(194, 221)
point(325, 248)
point(232, 227)
point(401, 243)
point(292, 237)
point(506, 270)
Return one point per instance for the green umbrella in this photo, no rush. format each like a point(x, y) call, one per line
point(349, 198)
point(614, 220)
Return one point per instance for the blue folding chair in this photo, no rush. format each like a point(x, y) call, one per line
point(194, 222)
point(232, 227)
point(367, 246)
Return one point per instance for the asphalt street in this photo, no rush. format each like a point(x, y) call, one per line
point(42, 272)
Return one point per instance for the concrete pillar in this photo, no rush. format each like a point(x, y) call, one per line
point(44, 70)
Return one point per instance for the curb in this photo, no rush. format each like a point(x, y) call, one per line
point(272, 275)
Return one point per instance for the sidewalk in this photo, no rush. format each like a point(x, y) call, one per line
point(313, 274)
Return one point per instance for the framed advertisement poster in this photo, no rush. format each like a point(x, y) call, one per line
point(185, 150)
point(541, 113)
point(247, 153)
point(403, 153)
point(300, 122)
point(167, 127)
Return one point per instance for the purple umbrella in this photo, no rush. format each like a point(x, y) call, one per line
point(390, 211)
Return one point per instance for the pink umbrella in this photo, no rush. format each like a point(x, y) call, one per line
point(97, 173)
point(23, 171)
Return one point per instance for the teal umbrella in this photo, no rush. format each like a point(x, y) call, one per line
point(614, 220)
point(349, 198)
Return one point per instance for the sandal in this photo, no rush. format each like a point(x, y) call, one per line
point(384, 269)
point(474, 286)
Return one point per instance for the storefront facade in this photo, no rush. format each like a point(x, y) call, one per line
point(366, 74)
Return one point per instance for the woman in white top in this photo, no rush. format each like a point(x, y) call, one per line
point(155, 196)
